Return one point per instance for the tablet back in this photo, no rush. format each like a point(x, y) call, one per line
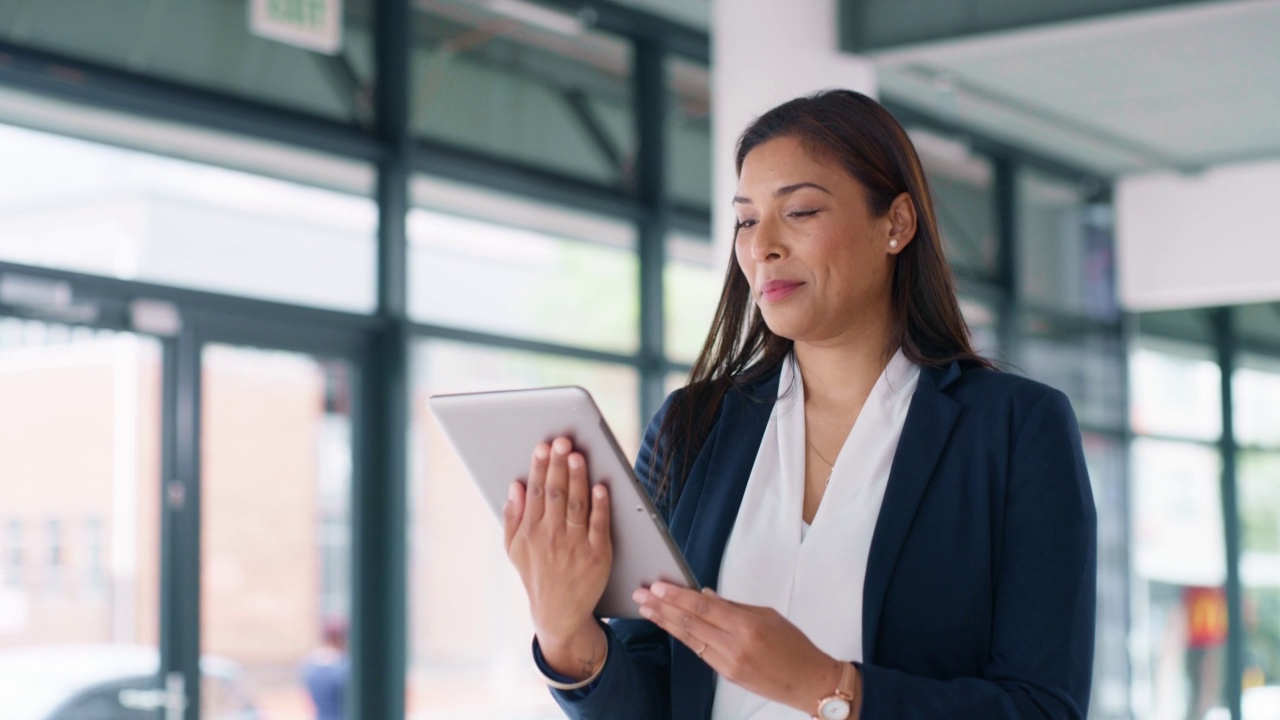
point(494, 433)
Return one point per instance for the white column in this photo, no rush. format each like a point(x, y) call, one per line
point(765, 52)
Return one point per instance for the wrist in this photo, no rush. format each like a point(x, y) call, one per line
point(841, 700)
point(821, 681)
point(578, 653)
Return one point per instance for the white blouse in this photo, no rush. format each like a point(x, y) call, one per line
point(812, 575)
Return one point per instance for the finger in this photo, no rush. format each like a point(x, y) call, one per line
point(511, 512)
point(534, 503)
point(706, 641)
point(684, 625)
point(558, 482)
point(579, 506)
point(601, 521)
point(706, 605)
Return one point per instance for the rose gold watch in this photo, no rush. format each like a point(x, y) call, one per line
point(839, 704)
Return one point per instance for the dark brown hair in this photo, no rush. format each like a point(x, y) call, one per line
point(853, 131)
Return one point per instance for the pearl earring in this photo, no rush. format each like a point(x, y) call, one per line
point(893, 243)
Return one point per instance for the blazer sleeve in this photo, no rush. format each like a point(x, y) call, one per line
point(1044, 597)
point(635, 683)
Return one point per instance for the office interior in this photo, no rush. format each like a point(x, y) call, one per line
point(235, 263)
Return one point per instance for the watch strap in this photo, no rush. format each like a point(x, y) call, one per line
point(845, 690)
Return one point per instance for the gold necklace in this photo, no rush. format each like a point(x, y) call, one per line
point(828, 462)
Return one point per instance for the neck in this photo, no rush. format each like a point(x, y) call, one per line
point(841, 372)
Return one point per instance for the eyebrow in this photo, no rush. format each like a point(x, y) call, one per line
point(784, 190)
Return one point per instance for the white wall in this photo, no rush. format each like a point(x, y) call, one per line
point(1199, 240)
point(765, 52)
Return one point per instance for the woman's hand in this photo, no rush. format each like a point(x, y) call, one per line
point(753, 647)
point(556, 532)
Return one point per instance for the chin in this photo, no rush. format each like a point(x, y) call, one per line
point(785, 327)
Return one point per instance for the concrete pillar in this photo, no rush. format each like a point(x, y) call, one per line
point(765, 52)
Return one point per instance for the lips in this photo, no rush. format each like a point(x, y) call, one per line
point(776, 290)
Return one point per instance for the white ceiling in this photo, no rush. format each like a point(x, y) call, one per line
point(1185, 88)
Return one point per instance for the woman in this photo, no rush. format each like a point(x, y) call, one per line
point(886, 526)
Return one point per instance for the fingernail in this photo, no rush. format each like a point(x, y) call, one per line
point(575, 461)
point(540, 451)
point(638, 596)
point(511, 492)
point(560, 446)
point(646, 611)
point(598, 491)
point(708, 591)
point(658, 589)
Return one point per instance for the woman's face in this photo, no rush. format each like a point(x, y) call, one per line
point(819, 262)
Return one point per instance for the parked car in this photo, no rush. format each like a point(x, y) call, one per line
point(108, 682)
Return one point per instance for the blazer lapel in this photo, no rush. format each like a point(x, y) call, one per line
point(738, 433)
point(924, 435)
point(719, 478)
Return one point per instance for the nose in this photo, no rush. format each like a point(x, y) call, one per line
point(766, 242)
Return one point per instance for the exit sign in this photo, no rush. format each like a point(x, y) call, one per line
point(311, 24)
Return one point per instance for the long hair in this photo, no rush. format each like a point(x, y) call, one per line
point(853, 131)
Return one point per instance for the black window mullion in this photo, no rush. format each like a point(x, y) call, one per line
point(180, 517)
point(1224, 332)
point(1008, 321)
point(109, 88)
point(650, 102)
point(379, 604)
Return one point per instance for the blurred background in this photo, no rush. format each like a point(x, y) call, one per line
point(242, 241)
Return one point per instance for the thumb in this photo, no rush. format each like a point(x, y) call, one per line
point(512, 511)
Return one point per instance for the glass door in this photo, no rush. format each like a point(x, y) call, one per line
point(80, 526)
point(275, 536)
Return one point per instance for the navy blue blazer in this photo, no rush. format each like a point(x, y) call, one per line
point(979, 594)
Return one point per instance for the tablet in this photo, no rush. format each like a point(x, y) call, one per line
point(495, 432)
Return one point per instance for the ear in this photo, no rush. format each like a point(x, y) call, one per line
point(902, 223)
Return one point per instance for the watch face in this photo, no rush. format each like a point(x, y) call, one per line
point(834, 709)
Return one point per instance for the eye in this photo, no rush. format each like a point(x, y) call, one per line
point(742, 224)
point(802, 213)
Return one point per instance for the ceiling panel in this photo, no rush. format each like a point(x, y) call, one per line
point(1184, 88)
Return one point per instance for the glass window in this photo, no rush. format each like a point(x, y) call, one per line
point(208, 45)
point(695, 14)
point(1256, 392)
point(469, 618)
point(1176, 390)
point(223, 695)
point(1180, 622)
point(1065, 247)
point(97, 393)
point(1106, 460)
point(485, 261)
point(94, 550)
point(92, 208)
point(963, 189)
point(1259, 478)
point(984, 332)
point(1259, 324)
point(692, 281)
point(275, 502)
point(1191, 326)
point(1086, 365)
point(14, 554)
point(674, 381)
point(688, 161)
point(524, 82)
point(109, 703)
point(56, 557)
